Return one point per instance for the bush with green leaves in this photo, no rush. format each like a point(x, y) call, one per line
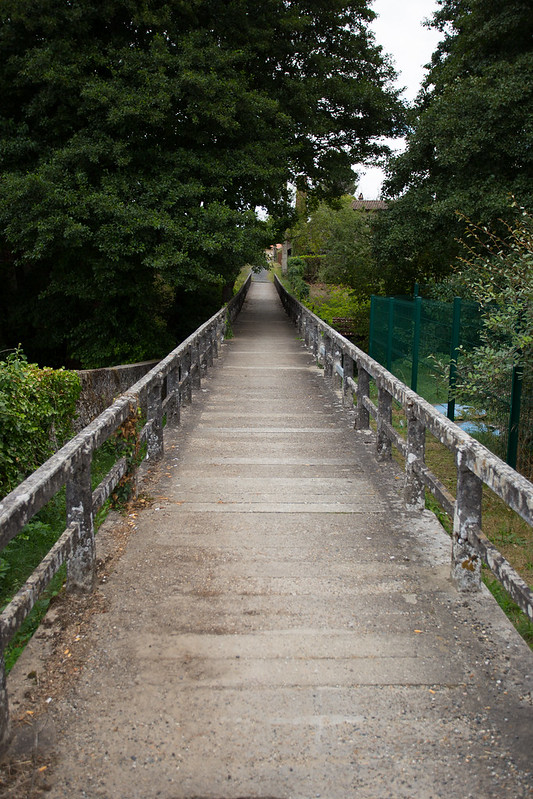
point(37, 407)
point(344, 303)
point(336, 242)
point(296, 269)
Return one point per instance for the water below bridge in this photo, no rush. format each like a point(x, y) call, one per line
point(274, 624)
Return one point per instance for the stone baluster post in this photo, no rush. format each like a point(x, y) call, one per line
point(383, 442)
point(348, 370)
point(209, 348)
point(196, 367)
point(315, 339)
point(154, 415)
point(466, 563)
point(303, 329)
point(186, 379)
point(5, 723)
point(214, 340)
point(414, 489)
point(173, 393)
point(328, 357)
point(81, 564)
point(362, 418)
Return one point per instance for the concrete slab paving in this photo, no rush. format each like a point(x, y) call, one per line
point(279, 626)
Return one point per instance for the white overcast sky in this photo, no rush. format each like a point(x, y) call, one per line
point(398, 29)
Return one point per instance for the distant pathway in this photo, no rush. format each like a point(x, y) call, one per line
point(279, 626)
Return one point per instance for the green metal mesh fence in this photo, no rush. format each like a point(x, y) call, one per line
point(418, 340)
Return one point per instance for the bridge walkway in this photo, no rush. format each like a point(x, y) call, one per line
point(279, 626)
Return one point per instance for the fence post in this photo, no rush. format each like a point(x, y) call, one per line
point(514, 415)
point(155, 416)
point(208, 349)
point(390, 333)
point(306, 331)
point(414, 490)
point(454, 354)
point(173, 393)
point(466, 563)
point(348, 371)
point(416, 340)
point(81, 564)
point(315, 339)
point(362, 418)
point(186, 378)
point(5, 725)
point(214, 340)
point(383, 442)
point(196, 368)
point(328, 356)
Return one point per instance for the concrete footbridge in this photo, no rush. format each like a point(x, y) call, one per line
point(279, 617)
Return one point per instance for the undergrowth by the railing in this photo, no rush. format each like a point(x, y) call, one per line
point(160, 393)
point(476, 465)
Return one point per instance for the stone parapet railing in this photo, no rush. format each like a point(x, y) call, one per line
point(159, 393)
point(476, 465)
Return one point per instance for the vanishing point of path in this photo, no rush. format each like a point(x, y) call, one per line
point(279, 625)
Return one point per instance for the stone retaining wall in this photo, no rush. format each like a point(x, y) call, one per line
point(99, 387)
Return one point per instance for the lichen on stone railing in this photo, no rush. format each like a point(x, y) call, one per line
point(158, 394)
point(476, 465)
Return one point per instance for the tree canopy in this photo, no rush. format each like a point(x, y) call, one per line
point(470, 145)
point(137, 138)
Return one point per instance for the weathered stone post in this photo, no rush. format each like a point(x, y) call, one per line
point(81, 564)
point(173, 393)
point(362, 418)
point(337, 361)
point(186, 387)
point(208, 348)
point(383, 442)
point(219, 333)
point(196, 367)
point(414, 490)
point(213, 332)
point(315, 339)
point(348, 372)
point(154, 415)
point(328, 357)
point(466, 563)
point(305, 330)
point(5, 727)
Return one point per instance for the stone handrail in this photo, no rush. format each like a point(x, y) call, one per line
point(476, 465)
point(160, 392)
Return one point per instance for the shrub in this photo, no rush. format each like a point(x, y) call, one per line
point(296, 268)
point(37, 407)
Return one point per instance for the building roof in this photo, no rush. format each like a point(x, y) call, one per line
point(369, 205)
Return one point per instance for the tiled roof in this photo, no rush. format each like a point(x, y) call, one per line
point(369, 205)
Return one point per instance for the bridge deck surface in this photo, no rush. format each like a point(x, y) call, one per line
point(279, 625)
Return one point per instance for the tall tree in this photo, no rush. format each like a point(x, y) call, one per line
point(470, 145)
point(137, 138)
